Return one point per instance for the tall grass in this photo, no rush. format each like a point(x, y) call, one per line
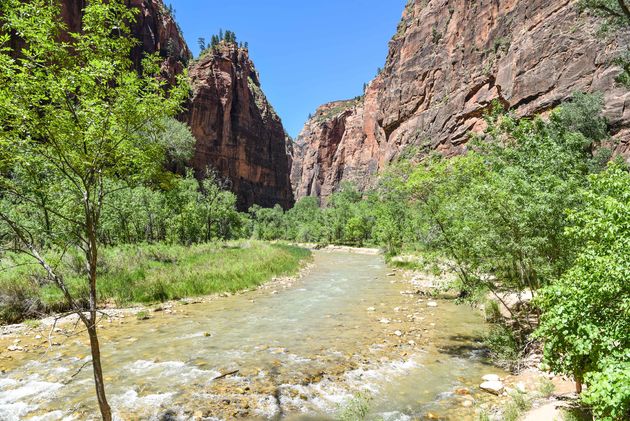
point(145, 274)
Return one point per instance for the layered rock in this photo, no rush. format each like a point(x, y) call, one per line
point(448, 61)
point(238, 132)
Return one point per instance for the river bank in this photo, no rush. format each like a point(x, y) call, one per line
point(350, 325)
point(144, 274)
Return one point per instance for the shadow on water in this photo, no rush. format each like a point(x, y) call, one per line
point(467, 347)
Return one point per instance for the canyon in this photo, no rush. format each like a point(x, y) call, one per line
point(448, 62)
point(238, 133)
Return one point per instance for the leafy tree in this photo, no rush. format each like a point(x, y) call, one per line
point(177, 141)
point(268, 223)
point(305, 221)
point(586, 314)
point(72, 116)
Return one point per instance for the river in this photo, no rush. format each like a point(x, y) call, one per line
point(347, 326)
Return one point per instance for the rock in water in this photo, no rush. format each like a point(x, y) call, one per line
point(494, 387)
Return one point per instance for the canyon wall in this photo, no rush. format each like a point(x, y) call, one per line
point(446, 64)
point(238, 132)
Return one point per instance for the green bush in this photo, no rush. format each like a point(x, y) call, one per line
point(586, 313)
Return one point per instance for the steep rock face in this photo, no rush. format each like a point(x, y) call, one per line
point(238, 132)
point(448, 61)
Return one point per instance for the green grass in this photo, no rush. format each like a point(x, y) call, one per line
point(518, 404)
point(146, 274)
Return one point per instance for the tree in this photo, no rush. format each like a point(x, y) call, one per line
point(214, 41)
point(72, 116)
point(201, 42)
point(177, 141)
point(586, 313)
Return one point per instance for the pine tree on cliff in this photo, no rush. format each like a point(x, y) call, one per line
point(214, 41)
point(202, 44)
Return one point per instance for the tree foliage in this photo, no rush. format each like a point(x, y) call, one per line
point(586, 313)
point(73, 115)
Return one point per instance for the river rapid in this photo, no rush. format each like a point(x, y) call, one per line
point(304, 351)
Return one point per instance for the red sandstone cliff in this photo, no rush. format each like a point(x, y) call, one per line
point(448, 61)
point(238, 132)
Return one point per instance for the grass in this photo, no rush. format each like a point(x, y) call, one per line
point(357, 409)
point(545, 387)
point(145, 274)
point(518, 404)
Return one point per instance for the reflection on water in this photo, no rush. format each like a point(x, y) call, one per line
point(344, 328)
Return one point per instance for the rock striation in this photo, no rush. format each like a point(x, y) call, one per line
point(447, 63)
point(237, 130)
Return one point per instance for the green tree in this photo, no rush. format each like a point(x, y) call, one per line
point(268, 223)
point(586, 313)
point(72, 116)
point(201, 42)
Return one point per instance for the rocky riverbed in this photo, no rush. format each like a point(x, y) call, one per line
point(295, 347)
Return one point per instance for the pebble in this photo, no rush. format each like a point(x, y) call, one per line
point(13, 348)
point(371, 309)
point(432, 304)
point(385, 321)
point(398, 333)
point(491, 378)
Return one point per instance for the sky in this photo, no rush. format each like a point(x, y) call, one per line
point(308, 53)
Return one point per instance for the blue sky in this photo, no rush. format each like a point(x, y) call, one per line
point(307, 52)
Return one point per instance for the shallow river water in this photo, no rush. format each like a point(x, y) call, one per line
point(347, 326)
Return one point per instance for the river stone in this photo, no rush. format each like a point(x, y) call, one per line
point(432, 304)
point(491, 378)
point(494, 387)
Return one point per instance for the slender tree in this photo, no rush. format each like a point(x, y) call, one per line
point(202, 44)
point(72, 116)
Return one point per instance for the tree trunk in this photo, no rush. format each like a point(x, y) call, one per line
point(92, 265)
point(106, 411)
